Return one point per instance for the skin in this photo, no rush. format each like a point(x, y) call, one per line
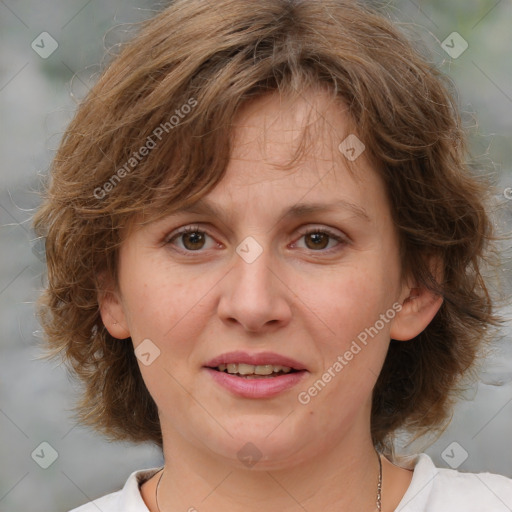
point(303, 297)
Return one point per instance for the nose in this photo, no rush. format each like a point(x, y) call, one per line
point(255, 295)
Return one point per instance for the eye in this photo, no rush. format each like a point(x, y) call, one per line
point(317, 239)
point(192, 237)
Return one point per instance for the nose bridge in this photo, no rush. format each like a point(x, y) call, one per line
point(253, 274)
point(254, 267)
point(253, 295)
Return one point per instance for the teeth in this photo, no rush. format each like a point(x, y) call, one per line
point(250, 369)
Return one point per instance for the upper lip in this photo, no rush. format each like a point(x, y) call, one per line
point(260, 358)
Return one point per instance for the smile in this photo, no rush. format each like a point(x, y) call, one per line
point(251, 371)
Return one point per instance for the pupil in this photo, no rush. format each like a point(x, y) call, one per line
point(317, 237)
point(194, 238)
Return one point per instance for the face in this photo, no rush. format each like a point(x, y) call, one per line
point(264, 276)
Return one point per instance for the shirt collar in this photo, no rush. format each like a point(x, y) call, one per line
point(417, 495)
point(130, 499)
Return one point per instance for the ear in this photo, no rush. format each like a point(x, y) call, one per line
point(111, 308)
point(419, 306)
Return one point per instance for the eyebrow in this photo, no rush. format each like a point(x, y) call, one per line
point(203, 206)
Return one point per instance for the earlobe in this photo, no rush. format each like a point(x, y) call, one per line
point(111, 309)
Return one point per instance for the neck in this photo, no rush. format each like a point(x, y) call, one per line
point(341, 478)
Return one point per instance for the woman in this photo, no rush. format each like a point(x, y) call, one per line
point(264, 250)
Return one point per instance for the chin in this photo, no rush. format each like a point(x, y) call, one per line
point(264, 449)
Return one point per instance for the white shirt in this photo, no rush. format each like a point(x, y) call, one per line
point(431, 490)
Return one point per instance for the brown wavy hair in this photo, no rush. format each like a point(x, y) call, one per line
point(214, 57)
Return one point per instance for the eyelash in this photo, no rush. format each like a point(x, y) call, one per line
point(196, 229)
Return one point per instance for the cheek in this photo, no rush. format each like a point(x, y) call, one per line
point(353, 299)
point(150, 289)
point(167, 306)
point(166, 310)
point(354, 347)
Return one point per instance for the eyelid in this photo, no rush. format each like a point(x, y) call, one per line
point(189, 228)
point(340, 237)
point(325, 229)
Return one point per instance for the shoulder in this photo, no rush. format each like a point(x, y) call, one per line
point(127, 499)
point(448, 490)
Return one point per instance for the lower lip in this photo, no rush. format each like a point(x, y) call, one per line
point(258, 387)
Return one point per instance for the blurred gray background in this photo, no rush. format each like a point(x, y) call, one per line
point(37, 101)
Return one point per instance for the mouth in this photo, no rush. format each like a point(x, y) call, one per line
point(250, 371)
point(256, 376)
point(261, 365)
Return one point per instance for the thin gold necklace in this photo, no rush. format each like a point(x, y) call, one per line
point(379, 487)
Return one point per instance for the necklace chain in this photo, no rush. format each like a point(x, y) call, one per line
point(379, 487)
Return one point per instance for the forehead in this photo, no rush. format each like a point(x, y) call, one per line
point(285, 161)
point(288, 150)
point(274, 127)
